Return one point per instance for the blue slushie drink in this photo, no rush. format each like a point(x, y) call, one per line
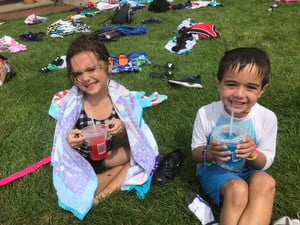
point(230, 136)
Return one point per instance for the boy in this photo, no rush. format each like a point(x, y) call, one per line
point(244, 193)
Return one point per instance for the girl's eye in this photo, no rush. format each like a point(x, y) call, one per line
point(90, 70)
point(76, 74)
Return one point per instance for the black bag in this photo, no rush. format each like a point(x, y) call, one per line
point(159, 6)
point(107, 35)
point(122, 14)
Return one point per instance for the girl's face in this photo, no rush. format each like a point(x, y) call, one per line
point(90, 73)
point(240, 90)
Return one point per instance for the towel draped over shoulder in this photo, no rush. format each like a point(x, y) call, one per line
point(74, 178)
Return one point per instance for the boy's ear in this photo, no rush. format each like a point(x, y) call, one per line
point(110, 64)
point(263, 90)
point(218, 84)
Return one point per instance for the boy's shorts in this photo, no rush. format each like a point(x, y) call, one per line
point(213, 177)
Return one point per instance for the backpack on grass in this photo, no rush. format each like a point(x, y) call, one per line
point(122, 14)
point(159, 6)
point(108, 35)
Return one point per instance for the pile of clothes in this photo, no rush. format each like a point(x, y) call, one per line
point(6, 70)
point(188, 32)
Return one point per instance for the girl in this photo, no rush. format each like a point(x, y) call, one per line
point(132, 155)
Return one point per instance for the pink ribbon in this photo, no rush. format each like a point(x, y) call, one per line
point(25, 171)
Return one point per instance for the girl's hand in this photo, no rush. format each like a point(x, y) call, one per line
point(75, 138)
point(246, 149)
point(116, 127)
point(215, 152)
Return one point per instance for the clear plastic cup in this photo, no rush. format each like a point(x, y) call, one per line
point(222, 134)
point(96, 139)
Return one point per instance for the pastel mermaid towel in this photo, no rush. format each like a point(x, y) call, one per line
point(73, 177)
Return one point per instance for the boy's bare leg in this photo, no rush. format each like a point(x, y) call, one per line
point(261, 199)
point(235, 192)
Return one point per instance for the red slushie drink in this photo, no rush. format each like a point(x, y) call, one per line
point(96, 139)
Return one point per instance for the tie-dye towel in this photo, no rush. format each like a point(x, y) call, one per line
point(74, 179)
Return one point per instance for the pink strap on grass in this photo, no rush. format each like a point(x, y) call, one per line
point(25, 171)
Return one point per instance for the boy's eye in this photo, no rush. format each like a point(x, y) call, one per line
point(252, 87)
point(230, 84)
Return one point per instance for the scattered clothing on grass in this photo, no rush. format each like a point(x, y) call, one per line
point(32, 37)
point(6, 70)
point(59, 62)
point(61, 28)
point(34, 19)
point(135, 62)
point(188, 32)
point(127, 30)
point(7, 43)
point(82, 15)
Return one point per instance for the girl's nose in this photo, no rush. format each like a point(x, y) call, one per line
point(83, 77)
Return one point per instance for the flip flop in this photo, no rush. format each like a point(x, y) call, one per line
point(168, 74)
point(272, 7)
point(122, 59)
point(167, 66)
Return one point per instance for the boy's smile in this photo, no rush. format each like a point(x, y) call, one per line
point(240, 90)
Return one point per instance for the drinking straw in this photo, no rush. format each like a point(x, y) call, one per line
point(93, 122)
point(231, 124)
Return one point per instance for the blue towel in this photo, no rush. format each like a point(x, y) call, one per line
point(73, 177)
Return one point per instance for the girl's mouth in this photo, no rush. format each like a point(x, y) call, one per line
point(90, 85)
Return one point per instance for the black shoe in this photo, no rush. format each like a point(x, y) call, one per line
point(44, 69)
point(58, 61)
point(192, 81)
point(168, 167)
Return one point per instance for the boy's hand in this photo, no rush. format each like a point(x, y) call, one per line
point(75, 138)
point(215, 152)
point(246, 149)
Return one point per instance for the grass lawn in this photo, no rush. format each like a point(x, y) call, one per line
point(27, 130)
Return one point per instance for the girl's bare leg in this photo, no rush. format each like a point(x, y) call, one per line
point(112, 179)
point(117, 156)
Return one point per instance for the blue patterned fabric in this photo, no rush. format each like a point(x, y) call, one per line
point(74, 178)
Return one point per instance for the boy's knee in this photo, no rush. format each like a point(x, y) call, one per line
point(269, 183)
point(236, 190)
point(264, 181)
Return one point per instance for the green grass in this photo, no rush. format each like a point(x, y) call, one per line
point(27, 130)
